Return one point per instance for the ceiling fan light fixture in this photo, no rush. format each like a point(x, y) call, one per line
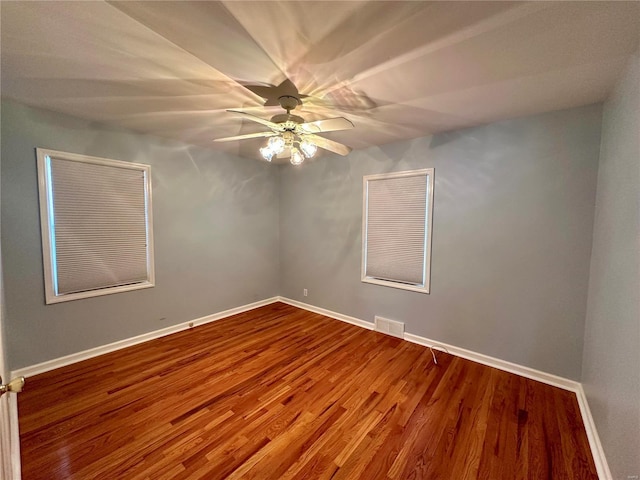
point(276, 144)
point(296, 156)
point(308, 148)
point(267, 153)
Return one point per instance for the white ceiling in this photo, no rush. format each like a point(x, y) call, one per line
point(397, 70)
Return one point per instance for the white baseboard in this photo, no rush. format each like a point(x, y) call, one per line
point(328, 313)
point(527, 372)
point(128, 342)
point(592, 434)
point(510, 367)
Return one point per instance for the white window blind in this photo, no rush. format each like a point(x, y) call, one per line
point(396, 236)
point(97, 236)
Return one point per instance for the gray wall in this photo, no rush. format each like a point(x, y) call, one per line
point(513, 225)
point(611, 367)
point(512, 231)
point(215, 231)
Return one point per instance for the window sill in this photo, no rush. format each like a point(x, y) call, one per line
point(402, 286)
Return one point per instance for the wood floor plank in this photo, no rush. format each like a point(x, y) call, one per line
point(282, 393)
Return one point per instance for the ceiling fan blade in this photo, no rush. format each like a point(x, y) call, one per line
point(243, 137)
point(254, 118)
point(330, 145)
point(327, 125)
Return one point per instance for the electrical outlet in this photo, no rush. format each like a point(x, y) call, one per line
point(304, 292)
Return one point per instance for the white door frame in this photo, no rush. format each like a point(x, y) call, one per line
point(10, 468)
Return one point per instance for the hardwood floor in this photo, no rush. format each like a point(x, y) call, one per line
point(281, 393)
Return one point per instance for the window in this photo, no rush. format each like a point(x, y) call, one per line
point(96, 225)
point(396, 229)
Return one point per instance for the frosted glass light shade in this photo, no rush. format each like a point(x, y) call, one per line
point(308, 148)
point(296, 157)
point(276, 144)
point(267, 153)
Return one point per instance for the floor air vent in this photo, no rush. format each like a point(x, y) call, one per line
point(390, 327)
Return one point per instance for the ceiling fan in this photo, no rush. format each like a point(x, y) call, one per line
point(291, 136)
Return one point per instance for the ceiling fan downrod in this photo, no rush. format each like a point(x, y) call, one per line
point(287, 120)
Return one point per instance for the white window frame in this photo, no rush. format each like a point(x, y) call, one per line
point(425, 286)
point(46, 220)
